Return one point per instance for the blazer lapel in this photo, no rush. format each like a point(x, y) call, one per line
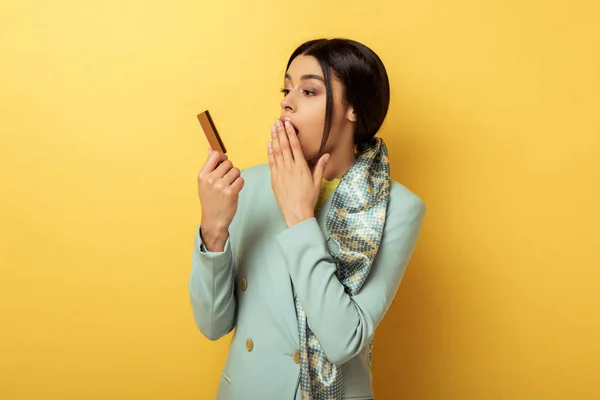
point(281, 283)
point(276, 265)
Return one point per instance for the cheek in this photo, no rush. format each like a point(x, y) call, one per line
point(317, 122)
point(312, 129)
point(310, 144)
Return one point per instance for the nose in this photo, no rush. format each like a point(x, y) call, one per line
point(287, 103)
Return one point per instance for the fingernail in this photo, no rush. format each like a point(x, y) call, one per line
point(273, 128)
point(278, 122)
point(287, 124)
point(327, 158)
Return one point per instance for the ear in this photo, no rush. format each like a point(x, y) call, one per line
point(350, 114)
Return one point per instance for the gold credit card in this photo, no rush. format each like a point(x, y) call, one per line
point(208, 126)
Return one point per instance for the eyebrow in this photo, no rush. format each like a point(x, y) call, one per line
point(305, 77)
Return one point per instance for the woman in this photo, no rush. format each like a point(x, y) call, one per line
point(305, 260)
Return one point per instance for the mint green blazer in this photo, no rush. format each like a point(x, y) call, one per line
point(248, 287)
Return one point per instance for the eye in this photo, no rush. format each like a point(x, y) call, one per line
point(309, 92)
point(285, 92)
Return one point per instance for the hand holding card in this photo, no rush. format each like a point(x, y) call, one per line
point(219, 186)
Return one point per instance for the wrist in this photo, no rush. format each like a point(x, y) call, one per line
point(295, 219)
point(214, 239)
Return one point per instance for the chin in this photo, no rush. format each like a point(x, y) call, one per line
point(312, 160)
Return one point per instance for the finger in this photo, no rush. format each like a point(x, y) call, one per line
point(272, 163)
point(284, 143)
point(221, 170)
point(231, 176)
point(275, 147)
point(212, 161)
point(320, 169)
point(294, 143)
point(238, 184)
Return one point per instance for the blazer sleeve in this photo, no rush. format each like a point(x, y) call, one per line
point(212, 283)
point(342, 323)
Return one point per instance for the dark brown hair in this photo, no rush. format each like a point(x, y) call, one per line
point(363, 76)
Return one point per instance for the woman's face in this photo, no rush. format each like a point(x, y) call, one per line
point(304, 105)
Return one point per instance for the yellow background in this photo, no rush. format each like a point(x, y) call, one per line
point(494, 122)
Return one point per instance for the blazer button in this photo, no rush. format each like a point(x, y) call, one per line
point(297, 357)
point(249, 344)
point(244, 284)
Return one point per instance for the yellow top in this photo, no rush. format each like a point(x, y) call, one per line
point(327, 187)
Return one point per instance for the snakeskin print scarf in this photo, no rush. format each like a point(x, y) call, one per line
point(355, 221)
